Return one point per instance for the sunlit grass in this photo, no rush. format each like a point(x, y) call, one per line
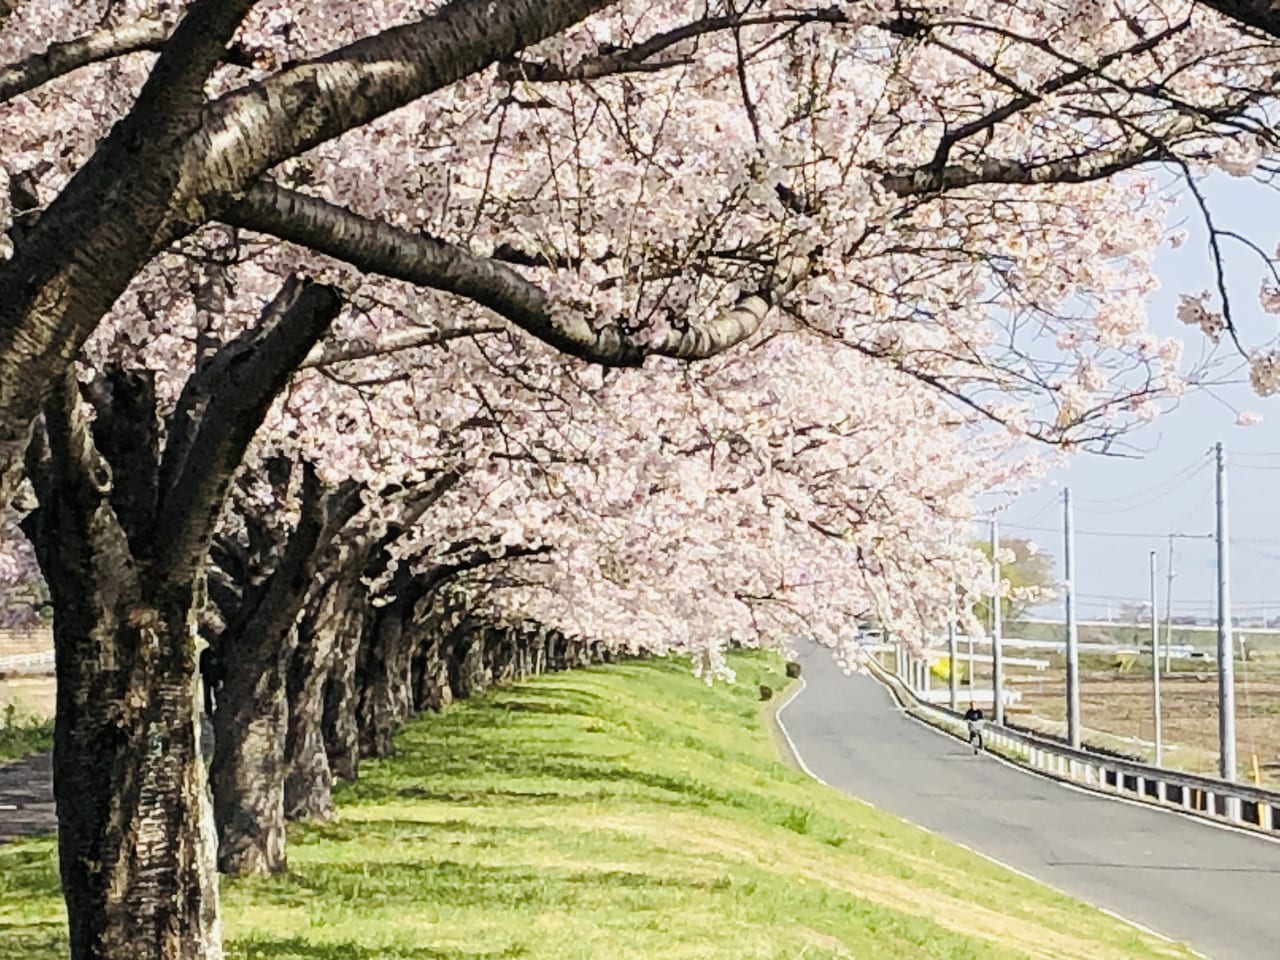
point(623, 811)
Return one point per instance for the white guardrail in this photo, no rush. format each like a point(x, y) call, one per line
point(25, 661)
point(1239, 804)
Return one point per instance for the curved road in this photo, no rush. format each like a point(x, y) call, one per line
point(1214, 889)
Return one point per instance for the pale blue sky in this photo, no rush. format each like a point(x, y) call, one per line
point(1126, 508)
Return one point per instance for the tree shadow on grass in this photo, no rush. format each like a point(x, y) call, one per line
point(30, 871)
point(451, 772)
point(33, 940)
point(296, 948)
point(411, 883)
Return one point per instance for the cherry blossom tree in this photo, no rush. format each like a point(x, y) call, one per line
point(124, 564)
point(918, 221)
point(644, 87)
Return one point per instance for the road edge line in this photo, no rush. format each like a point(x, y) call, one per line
point(795, 752)
point(786, 734)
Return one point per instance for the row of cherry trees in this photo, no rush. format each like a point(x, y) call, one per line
point(350, 338)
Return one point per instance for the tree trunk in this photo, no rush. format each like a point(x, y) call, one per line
point(135, 834)
point(135, 831)
point(308, 780)
point(384, 682)
point(122, 535)
point(341, 693)
point(428, 677)
point(248, 763)
point(251, 719)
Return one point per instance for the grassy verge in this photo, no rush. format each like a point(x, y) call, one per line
point(620, 812)
point(22, 735)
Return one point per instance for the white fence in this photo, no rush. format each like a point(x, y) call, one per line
point(1208, 797)
point(26, 661)
point(26, 649)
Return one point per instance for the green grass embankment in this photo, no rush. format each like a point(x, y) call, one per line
point(618, 812)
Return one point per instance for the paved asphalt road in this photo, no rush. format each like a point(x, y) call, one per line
point(1215, 889)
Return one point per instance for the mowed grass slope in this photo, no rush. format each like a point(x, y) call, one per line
point(627, 811)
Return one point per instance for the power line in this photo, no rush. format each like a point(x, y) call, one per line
point(1115, 533)
point(1255, 551)
point(1156, 491)
point(1196, 504)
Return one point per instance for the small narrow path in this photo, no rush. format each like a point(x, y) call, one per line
point(26, 797)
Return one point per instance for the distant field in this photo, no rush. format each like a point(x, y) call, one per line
point(626, 812)
point(31, 695)
point(1116, 704)
point(27, 640)
point(1140, 634)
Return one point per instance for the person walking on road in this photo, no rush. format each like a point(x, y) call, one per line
point(973, 716)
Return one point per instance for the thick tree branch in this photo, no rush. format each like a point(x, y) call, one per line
point(324, 356)
point(174, 163)
point(220, 409)
point(252, 129)
point(483, 557)
point(370, 559)
point(1079, 169)
point(126, 429)
point(270, 610)
point(637, 58)
point(377, 247)
point(174, 92)
point(71, 477)
point(63, 58)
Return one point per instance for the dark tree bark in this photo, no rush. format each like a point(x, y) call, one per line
point(341, 694)
point(308, 781)
point(368, 693)
point(135, 837)
point(248, 770)
point(428, 678)
point(248, 764)
point(384, 676)
point(122, 534)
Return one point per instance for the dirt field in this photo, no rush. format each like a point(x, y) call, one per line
point(35, 639)
point(1120, 704)
point(31, 693)
point(32, 696)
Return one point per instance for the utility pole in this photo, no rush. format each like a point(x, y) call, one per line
point(1073, 637)
point(997, 684)
point(953, 682)
point(1155, 664)
point(1226, 655)
point(1168, 612)
point(969, 637)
